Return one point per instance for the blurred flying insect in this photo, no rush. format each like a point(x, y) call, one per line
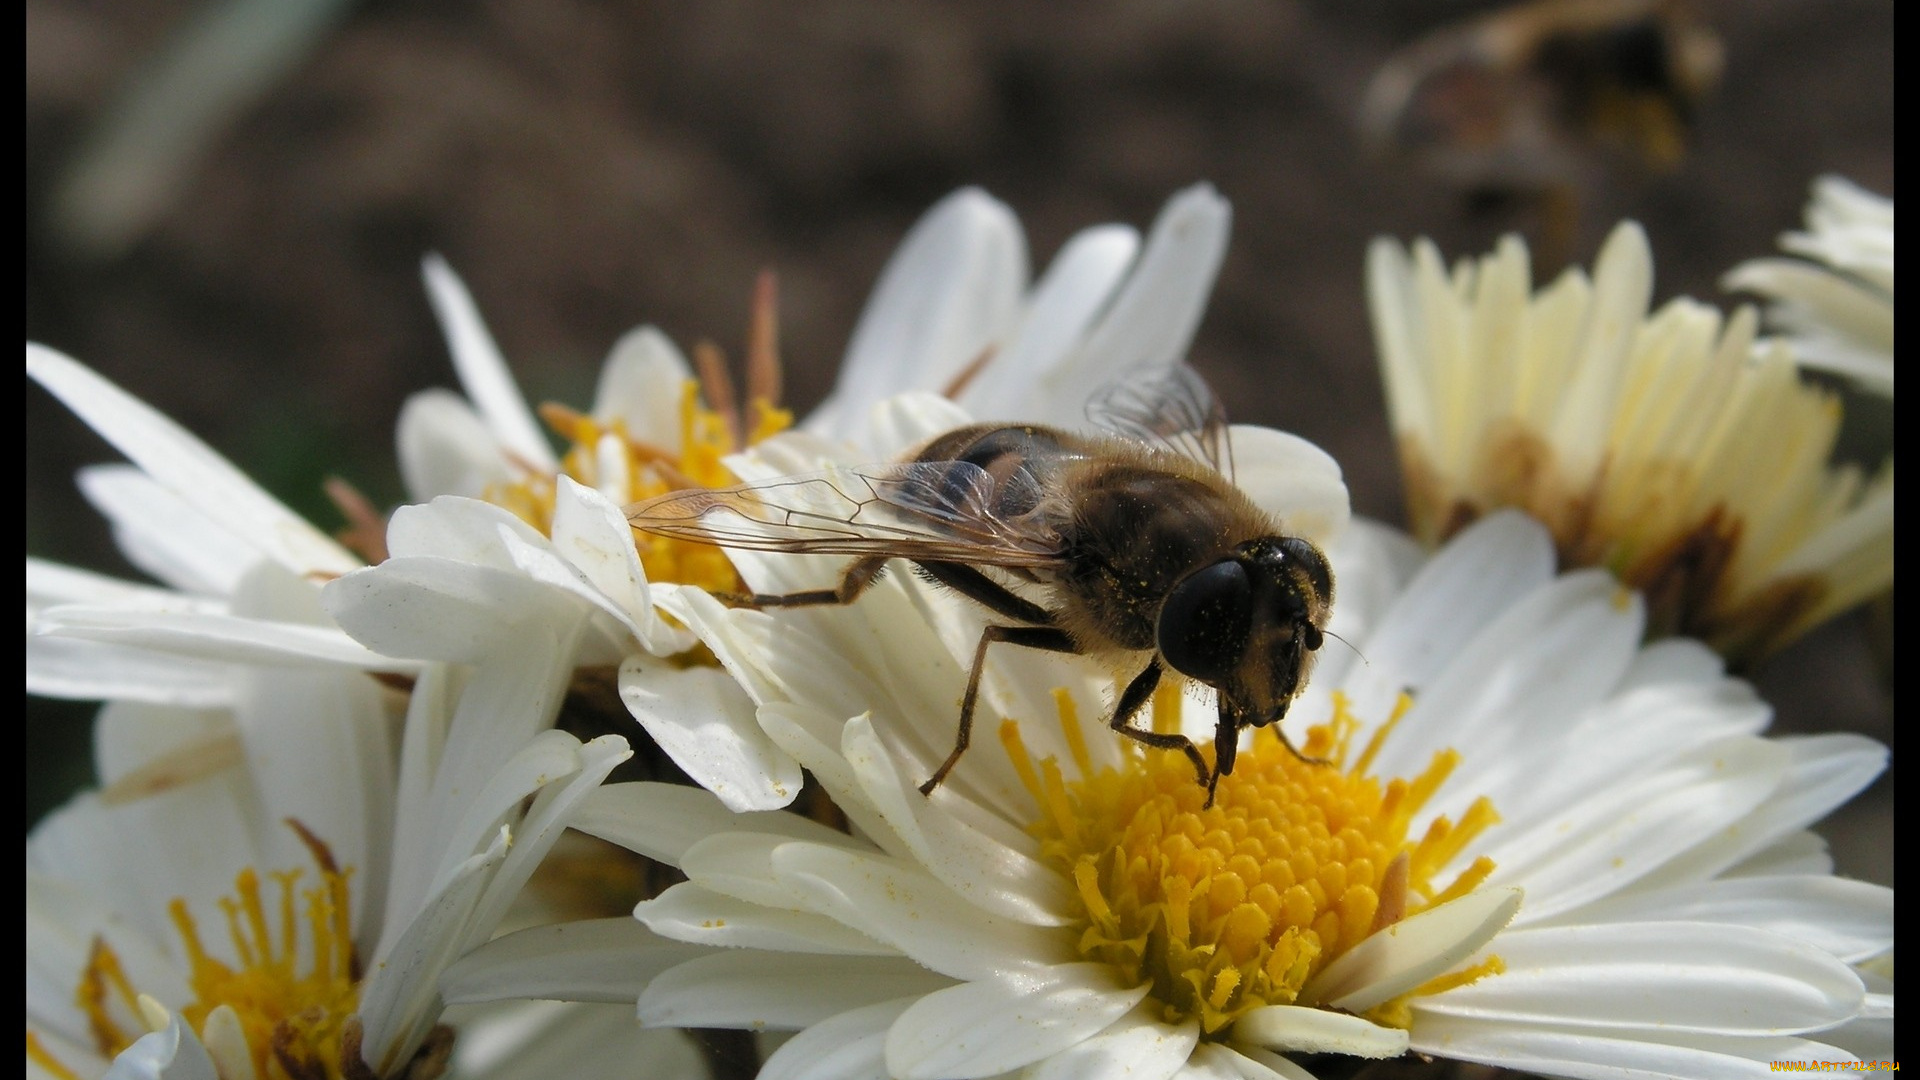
point(1144, 553)
point(1541, 99)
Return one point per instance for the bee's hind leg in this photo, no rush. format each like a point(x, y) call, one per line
point(981, 589)
point(1051, 639)
point(858, 577)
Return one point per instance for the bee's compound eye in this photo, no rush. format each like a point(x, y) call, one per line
point(1205, 621)
point(1311, 562)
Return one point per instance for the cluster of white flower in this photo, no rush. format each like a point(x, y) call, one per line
point(1522, 828)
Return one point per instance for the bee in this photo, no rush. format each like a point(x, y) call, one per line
point(1140, 550)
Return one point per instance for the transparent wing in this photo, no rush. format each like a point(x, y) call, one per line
point(1175, 409)
point(942, 510)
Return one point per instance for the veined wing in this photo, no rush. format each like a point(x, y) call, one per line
point(936, 510)
point(1175, 409)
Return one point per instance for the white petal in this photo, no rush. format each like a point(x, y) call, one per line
point(187, 466)
point(1602, 1055)
point(1066, 300)
point(1472, 581)
point(1673, 660)
point(444, 448)
point(1402, 956)
point(703, 721)
point(1372, 564)
point(1670, 977)
point(902, 422)
point(1297, 1029)
point(440, 609)
point(476, 799)
point(538, 1040)
point(220, 638)
point(592, 535)
point(1851, 920)
point(1803, 852)
point(640, 386)
point(850, 1046)
point(1135, 1047)
point(1256, 1057)
point(608, 960)
point(740, 865)
point(164, 534)
point(541, 827)
point(1151, 321)
point(915, 913)
point(1292, 479)
point(456, 527)
point(184, 841)
point(74, 1059)
point(398, 999)
point(982, 1028)
point(1620, 834)
point(953, 287)
point(65, 918)
point(1825, 771)
point(483, 371)
point(746, 988)
point(319, 750)
point(813, 738)
point(90, 671)
point(661, 821)
point(1547, 658)
point(690, 912)
point(990, 875)
point(1218, 1061)
point(172, 1054)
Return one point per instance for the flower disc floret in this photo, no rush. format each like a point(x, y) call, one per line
point(288, 990)
point(1232, 907)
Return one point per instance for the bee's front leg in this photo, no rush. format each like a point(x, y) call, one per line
point(1132, 700)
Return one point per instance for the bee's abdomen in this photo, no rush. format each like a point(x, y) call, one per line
point(1020, 461)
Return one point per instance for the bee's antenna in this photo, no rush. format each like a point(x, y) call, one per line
point(1350, 645)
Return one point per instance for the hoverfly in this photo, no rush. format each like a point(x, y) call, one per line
point(1141, 549)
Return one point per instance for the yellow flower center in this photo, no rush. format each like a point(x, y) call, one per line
point(606, 457)
point(295, 985)
point(1228, 908)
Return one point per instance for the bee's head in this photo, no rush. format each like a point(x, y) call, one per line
point(1249, 623)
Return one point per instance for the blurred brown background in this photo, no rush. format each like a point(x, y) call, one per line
point(589, 167)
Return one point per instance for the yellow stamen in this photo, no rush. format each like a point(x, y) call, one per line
point(38, 1053)
point(292, 1020)
point(1070, 728)
point(1227, 908)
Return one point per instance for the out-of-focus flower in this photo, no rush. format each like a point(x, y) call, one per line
point(1665, 447)
point(1545, 93)
point(1834, 303)
point(285, 854)
point(1539, 845)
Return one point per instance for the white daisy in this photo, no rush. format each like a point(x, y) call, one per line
point(1836, 306)
point(245, 744)
point(1667, 448)
point(1542, 846)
